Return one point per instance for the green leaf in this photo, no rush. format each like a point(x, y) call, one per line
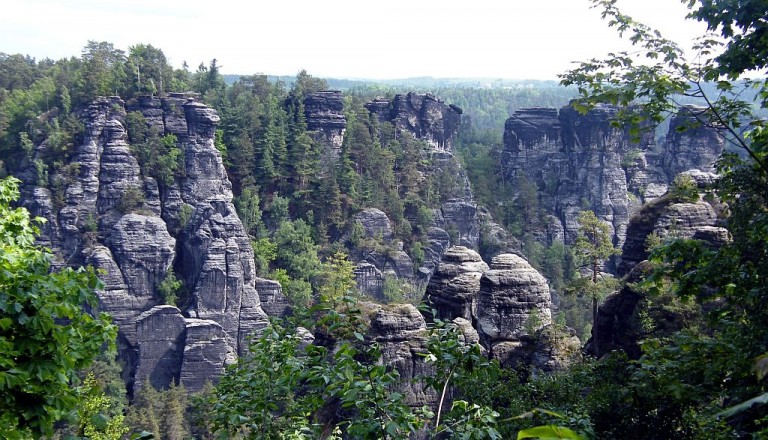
point(740, 408)
point(548, 432)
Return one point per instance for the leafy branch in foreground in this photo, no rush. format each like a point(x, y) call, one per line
point(45, 334)
point(685, 384)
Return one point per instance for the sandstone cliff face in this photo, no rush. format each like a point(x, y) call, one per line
point(425, 116)
point(324, 112)
point(453, 288)
point(401, 334)
point(582, 162)
point(140, 244)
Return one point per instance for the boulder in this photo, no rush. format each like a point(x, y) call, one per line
point(513, 301)
point(453, 288)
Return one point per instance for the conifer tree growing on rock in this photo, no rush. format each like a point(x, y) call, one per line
point(593, 247)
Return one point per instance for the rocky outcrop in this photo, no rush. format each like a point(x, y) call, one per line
point(453, 288)
point(580, 161)
point(161, 332)
point(425, 116)
point(105, 211)
point(513, 301)
point(689, 144)
point(506, 308)
point(400, 333)
point(207, 351)
point(377, 254)
point(665, 217)
point(324, 112)
point(618, 325)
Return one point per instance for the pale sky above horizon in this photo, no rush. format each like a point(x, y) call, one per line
point(531, 39)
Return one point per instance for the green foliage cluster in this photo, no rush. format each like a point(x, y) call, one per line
point(162, 413)
point(287, 388)
point(45, 335)
point(169, 288)
point(159, 156)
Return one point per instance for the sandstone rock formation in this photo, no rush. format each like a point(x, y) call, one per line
point(425, 116)
point(324, 112)
point(507, 306)
point(110, 214)
point(453, 288)
point(618, 326)
point(582, 162)
point(665, 217)
point(400, 332)
point(513, 300)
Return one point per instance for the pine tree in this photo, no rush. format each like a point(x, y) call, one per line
point(592, 248)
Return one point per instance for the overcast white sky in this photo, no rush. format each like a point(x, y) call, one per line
point(518, 39)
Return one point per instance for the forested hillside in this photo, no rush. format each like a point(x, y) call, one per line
point(320, 258)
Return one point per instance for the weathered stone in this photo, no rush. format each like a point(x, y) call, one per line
point(690, 144)
point(400, 332)
point(122, 304)
point(425, 116)
point(453, 288)
point(494, 239)
point(461, 216)
point(385, 258)
point(374, 223)
point(663, 217)
point(193, 214)
point(207, 352)
point(324, 112)
point(583, 162)
point(161, 332)
point(555, 350)
point(144, 251)
point(273, 301)
point(513, 301)
point(369, 279)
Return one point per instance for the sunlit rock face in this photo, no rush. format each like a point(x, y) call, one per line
point(108, 213)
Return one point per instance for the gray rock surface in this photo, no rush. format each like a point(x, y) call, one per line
point(207, 352)
point(161, 332)
point(581, 162)
point(273, 301)
point(375, 224)
point(425, 116)
point(136, 246)
point(689, 144)
point(513, 300)
point(664, 218)
point(324, 112)
point(400, 331)
point(453, 288)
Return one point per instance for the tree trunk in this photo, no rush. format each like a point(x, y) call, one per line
point(595, 341)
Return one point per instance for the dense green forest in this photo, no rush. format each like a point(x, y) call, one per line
point(702, 378)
